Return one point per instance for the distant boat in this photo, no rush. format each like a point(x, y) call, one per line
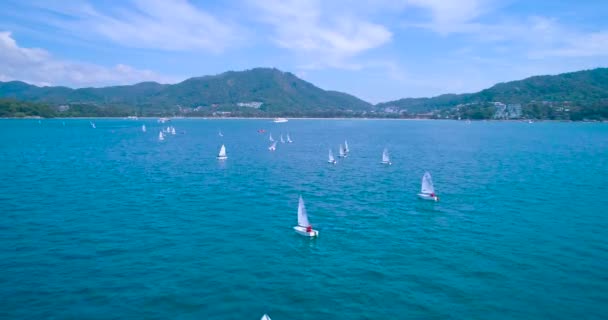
point(161, 136)
point(280, 120)
point(331, 159)
point(222, 155)
point(282, 140)
point(92, 124)
point(342, 152)
point(173, 130)
point(219, 133)
point(289, 139)
point(273, 146)
point(530, 121)
point(132, 117)
point(346, 150)
point(304, 228)
point(143, 128)
point(427, 190)
point(385, 157)
point(162, 120)
point(265, 317)
point(270, 137)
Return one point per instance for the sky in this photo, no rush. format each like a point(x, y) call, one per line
point(377, 50)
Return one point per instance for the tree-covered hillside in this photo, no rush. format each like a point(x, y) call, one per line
point(263, 89)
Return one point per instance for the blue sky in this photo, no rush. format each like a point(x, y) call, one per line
point(377, 50)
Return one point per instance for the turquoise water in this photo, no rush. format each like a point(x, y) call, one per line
point(110, 223)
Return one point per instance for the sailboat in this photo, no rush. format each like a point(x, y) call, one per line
point(265, 317)
point(331, 159)
point(161, 136)
point(222, 155)
point(220, 133)
point(143, 128)
point(346, 150)
point(273, 146)
point(304, 228)
point(172, 130)
point(342, 151)
point(385, 157)
point(92, 124)
point(289, 139)
point(427, 190)
point(282, 140)
point(270, 137)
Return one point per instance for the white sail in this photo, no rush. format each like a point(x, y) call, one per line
point(161, 136)
point(289, 138)
point(143, 128)
point(346, 150)
point(220, 133)
point(427, 184)
point(270, 137)
point(331, 156)
point(265, 317)
point(302, 215)
point(222, 154)
point(93, 124)
point(385, 156)
point(342, 151)
point(273, 146)
point(172, 130)
point(282, 140)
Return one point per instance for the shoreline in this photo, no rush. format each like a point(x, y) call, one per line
point(298, 118)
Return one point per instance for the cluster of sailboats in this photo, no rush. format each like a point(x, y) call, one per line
point(273, 145)
point(343, 153)
point(164, 132)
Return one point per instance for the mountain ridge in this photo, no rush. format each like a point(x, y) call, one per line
point(271, 92)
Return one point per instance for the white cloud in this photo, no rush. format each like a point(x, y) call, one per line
point(151, 24)
point(448, 16)
point(37, 66)
point(322, 38)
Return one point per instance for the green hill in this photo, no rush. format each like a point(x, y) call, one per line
point(583, 89)
point(270, 92)
point(258, 91)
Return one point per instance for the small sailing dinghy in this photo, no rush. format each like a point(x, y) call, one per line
point(270, 137)
point(143, 128)
point(92, 124)
point(161, 136)
point(289, 139)
point(219, 133)
point(385, 157)
point(346, 150)
point(342, 151)
point(304, 228)
point(427, 191)
point(172, 130)
point(331, 159)
point(222, 155)
point(282, 140)
point(265, 317)
point(273, 146)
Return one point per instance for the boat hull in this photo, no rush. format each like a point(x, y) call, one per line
point(428, 197)
point(222, 158)
point(387, 162)
point(332, 162)
point(302, 231)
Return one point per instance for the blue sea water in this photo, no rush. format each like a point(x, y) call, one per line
point(110, 223)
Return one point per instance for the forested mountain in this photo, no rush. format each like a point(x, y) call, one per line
point(271, 92)
point(263, 89)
